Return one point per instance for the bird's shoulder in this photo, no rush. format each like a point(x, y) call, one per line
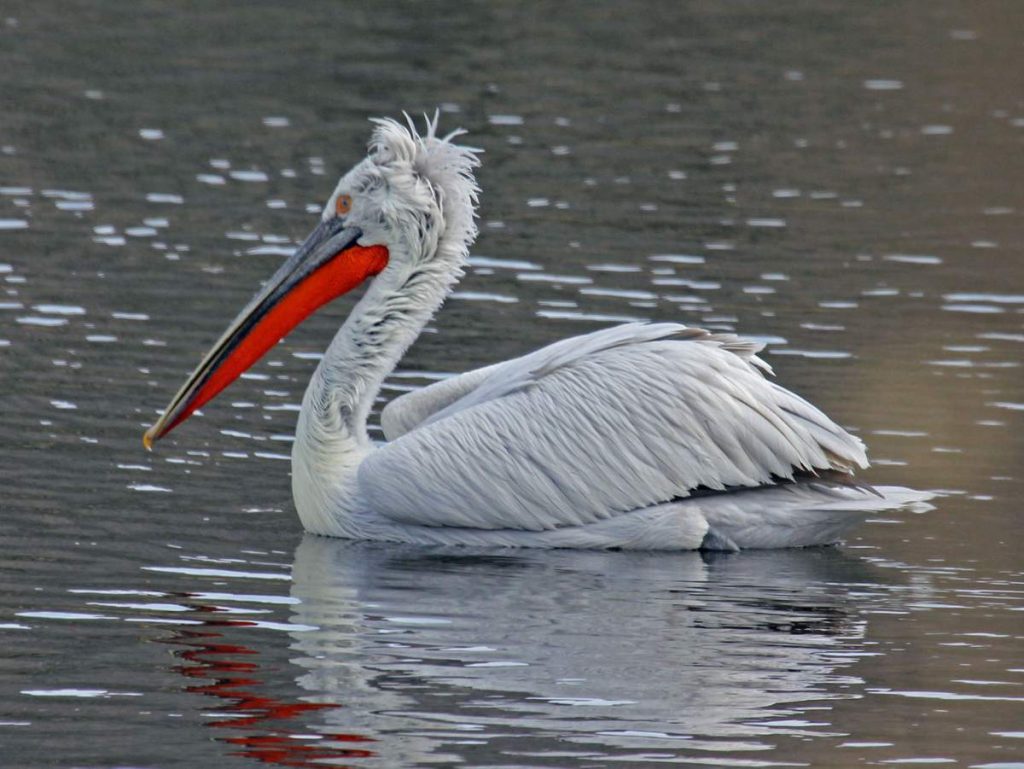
point(655, 349)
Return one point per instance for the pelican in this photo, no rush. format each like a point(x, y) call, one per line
point(651, 436)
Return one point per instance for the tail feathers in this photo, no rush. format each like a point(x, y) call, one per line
point(798, 515)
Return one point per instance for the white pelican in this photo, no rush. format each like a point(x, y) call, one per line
point(640, 436)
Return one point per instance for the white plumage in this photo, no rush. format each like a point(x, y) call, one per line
point(641, 436)
point(600, 425)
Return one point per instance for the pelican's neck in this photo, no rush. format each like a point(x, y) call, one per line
point(331, 439)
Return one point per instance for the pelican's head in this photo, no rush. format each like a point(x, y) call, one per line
point(414, 193)
point(408, 208)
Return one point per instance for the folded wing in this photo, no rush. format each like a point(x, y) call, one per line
point(596, 426)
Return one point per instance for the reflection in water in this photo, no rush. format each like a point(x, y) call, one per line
point(229, 672)
point(456, 651)
point(405, 656)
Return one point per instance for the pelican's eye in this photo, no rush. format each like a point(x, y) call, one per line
point(343, 204)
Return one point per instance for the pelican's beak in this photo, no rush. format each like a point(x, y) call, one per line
point(327, 265)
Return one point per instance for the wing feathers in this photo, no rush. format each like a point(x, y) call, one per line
point(408, 411)
point(593, 427)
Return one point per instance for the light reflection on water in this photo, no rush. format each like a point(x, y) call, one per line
point(839, 184)
point(407, 655)
point(559, 648)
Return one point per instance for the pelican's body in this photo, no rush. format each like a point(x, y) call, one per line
point(642, 436)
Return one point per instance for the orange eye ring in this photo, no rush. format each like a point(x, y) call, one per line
point(343, 204)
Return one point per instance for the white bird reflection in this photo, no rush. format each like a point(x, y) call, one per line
point(483, 655)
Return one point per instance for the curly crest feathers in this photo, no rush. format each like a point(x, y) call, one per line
point(423, 172)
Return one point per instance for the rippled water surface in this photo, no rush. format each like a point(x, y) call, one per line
point(842, 181)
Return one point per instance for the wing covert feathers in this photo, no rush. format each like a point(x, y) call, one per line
point(595, 426)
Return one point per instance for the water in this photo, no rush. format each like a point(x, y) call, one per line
point(842, 183)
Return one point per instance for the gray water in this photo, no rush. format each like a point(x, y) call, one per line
point(842, 180)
